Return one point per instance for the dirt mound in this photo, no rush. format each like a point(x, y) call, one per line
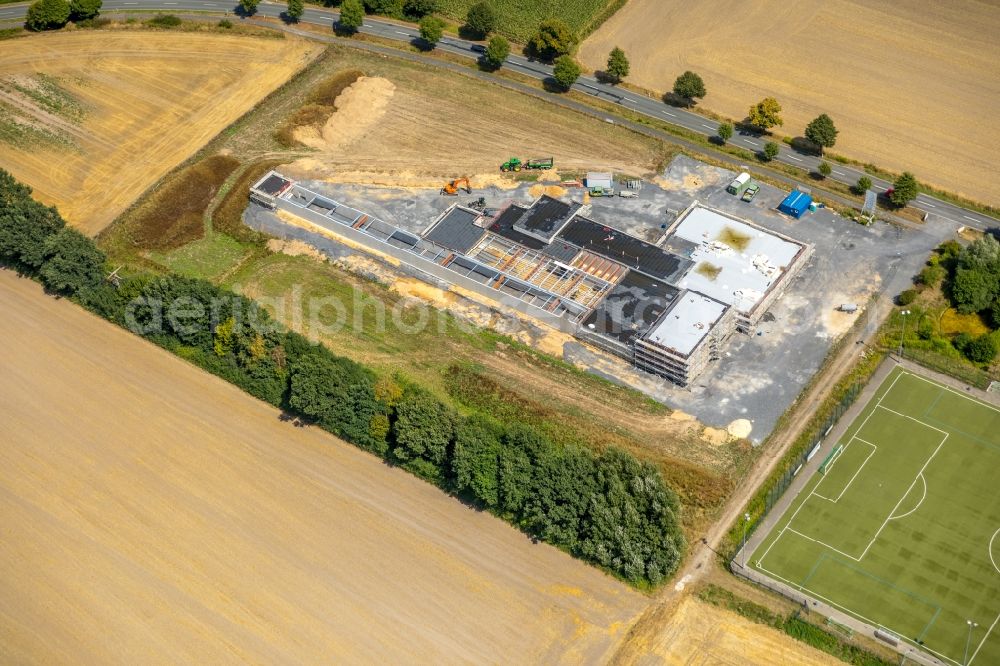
point(554, 191)
point(359, 108)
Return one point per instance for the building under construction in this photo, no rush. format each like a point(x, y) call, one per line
point(667, 307)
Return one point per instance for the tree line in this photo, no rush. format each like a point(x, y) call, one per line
point(606, 508)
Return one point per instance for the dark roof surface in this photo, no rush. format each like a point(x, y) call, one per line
point(273, 184)
point(631, 308)
point(503, 225)
point(456, 230)
point(545, 218)
point(625, 249)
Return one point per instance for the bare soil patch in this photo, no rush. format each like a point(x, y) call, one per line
point(434, 127)
point(909, 84)
point(151, 99)
point(699, 633)
point(159, 515)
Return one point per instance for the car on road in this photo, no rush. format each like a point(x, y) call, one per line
point(478, 48)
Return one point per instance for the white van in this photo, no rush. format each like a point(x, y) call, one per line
point(740, 182)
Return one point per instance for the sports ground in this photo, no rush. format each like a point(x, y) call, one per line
point(900, 525)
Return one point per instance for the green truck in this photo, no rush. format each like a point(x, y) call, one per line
point(516, 164)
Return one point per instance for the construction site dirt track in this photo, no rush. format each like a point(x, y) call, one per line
point(153, 513)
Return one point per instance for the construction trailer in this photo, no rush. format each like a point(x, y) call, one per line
point(795, 204)
point(739, 183)
point(605, 181)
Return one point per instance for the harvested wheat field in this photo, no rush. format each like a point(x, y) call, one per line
point(698, 633)
point(405, 124)
point(152, 513)
point(91, 119)
point(910, 84)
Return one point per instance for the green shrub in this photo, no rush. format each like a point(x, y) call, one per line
point(84, 9)
point(225, 24)
point(352, 16)
point(771, 150)
point(931, 275)
point(164, 21)
point(47, 15)
point(981, 350)
point(907, 297)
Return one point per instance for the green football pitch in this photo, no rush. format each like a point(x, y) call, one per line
point(901, 529)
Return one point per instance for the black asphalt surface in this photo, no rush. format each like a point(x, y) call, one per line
point(652, 107)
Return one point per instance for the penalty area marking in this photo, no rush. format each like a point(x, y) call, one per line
point(860, 467)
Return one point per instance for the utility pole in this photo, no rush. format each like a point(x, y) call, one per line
point(972, 625)
point(902, 336)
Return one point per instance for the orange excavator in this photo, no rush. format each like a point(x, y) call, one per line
point(452, 188)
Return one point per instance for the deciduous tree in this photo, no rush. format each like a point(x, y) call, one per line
point(496, 52)
point(618, 65)
point(553, 39)
point(352, 16)
point(431, 30)
point(72, 262)
point(482, 19)
point(904, 190)
point(689, 86)
point(764, 114)
point(295, 9)
point(863, 185)
point(725, 132)
point(565, 71)
point(822, 132)
point(771, 150)
point(249, 7)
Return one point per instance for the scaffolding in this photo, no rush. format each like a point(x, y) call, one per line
point(541, 271)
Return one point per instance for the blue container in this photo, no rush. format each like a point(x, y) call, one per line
point(795, 204)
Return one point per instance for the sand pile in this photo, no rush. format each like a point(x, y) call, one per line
point(359, 108)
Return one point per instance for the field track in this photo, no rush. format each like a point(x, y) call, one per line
point(152, 513)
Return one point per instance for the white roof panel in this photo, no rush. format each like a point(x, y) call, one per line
point(734, 262)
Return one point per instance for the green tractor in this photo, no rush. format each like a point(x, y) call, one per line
point(513, 164)
point(516, 164)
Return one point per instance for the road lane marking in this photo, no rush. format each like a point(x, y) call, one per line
point(708, 126)
point(793, 157)
point(839, 173)
point(669, 114)
point(924, 203)
point(970, 218)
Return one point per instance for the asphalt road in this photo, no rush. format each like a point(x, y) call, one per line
point(651, 107)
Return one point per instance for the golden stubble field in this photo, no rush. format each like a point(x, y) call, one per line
point(150, 99)
point(409, 125)
point(911, 85)
point(152, 513)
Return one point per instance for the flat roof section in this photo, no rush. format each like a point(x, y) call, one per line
point(631, 308)
point(687, 322)
point(734, 262)
point(619, 246)
point(272, 184)
point(545, 218)
point(455, 230)
point(503, 225)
